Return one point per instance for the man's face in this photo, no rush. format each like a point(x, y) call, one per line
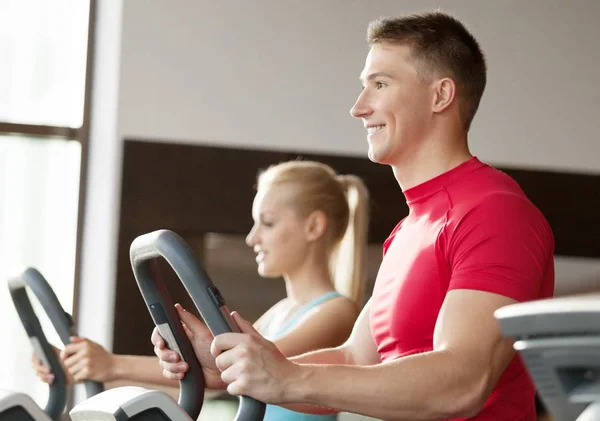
point(395, 104)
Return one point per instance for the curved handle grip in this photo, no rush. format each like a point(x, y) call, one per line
point(143, 256)
point(57, 398)
point(61, 320)
point(204, 294)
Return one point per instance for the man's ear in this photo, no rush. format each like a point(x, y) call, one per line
point(316, 225)
point(445, 91)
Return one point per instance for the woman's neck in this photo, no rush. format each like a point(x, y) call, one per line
point(307, 283)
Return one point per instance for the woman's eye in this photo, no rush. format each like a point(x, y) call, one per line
point(379, 85)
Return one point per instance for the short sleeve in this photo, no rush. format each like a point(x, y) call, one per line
point(502, 245)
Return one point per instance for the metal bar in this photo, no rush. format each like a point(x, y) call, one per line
point(38, 130)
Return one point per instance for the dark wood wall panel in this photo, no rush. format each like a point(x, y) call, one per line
point(571, 203)
point(196, 189)
point(199, 189)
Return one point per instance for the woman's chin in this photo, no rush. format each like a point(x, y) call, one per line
point(267, 272)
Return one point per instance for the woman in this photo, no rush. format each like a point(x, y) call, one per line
point(310, 227)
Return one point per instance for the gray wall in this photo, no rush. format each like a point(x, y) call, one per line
point(284, 74)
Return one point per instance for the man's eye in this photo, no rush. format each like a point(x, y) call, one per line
point(379, 85)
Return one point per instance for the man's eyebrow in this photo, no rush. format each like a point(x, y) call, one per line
point(375, 75)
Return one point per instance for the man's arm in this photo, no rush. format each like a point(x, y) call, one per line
point(454, 380)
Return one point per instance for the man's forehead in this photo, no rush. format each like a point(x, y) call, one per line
point(367, 69)
point(388, 52)
point(385, 58)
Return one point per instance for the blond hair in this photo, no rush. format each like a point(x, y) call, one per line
point(344, 201)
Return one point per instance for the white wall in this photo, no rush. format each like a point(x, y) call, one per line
point(101, 219)
point(284, 74)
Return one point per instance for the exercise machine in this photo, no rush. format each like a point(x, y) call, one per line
point(559, 341)
point(140, 404)
point(18, 406)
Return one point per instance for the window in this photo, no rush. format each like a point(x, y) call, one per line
point(43, 48)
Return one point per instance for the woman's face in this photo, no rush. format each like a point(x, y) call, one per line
point(278, 236)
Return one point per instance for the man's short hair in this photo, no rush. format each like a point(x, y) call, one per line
point(441, 47)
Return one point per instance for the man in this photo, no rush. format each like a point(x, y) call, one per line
point(426, 346)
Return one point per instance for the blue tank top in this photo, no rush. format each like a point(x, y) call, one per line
point(277, 413)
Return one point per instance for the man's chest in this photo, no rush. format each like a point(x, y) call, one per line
point(410, 289)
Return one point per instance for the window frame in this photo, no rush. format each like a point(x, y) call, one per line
point(81, 135)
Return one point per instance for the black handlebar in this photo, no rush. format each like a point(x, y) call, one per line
point(62, 322)
point(206, 297)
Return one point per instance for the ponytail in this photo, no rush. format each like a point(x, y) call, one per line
point(348, 262)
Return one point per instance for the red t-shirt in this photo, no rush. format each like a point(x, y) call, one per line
point(469, 228)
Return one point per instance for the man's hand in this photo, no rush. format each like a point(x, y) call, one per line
point(200, 337)
point(253, 366)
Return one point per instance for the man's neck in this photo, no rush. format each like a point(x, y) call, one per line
point(428, 163)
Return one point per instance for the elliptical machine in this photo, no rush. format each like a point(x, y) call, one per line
point(139, 404)
point(559, 341)
point(18, 406)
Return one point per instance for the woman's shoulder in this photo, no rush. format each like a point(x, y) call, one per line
point(338, 308)
point(271, 312)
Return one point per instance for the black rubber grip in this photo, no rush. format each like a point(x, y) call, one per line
point(166, 244)
point(62, 322)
